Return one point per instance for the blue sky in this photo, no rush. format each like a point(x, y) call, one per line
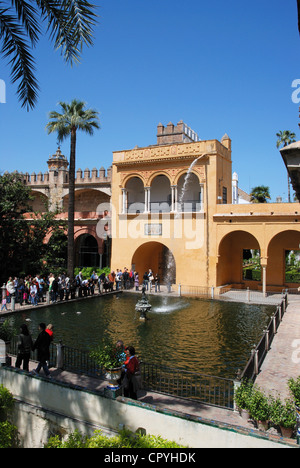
point(221, 67)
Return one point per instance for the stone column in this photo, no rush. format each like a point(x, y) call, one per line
point(263, 264)
point(124, 195)
point(147, 199)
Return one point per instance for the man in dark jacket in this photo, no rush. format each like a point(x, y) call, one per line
point(42, 344)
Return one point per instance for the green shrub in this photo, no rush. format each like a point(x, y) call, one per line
point(8, 432)
point(243, 395)
point(88, 271)
point(125, 439)
point(6, 402)
point(283, 413)
point(259, 405)
point(250, 397)
point(8, 435)
point(294, 386)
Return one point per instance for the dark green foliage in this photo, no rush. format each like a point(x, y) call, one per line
point(22, 232)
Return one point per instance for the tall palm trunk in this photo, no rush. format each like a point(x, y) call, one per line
point(71, 204)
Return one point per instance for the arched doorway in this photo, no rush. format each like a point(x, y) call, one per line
point(87, 251)
point(234, 249)
point(284, 259)
point(159, 258)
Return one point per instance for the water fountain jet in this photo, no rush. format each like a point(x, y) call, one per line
point(170, 261)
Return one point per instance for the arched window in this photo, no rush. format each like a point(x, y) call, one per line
point(160, 198)
point(135, 194)
point(87, 251)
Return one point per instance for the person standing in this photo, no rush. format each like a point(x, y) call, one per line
point(157, 283)
point(21, 291)
point(54, 290)
point(42, 344)
point(49, 330)
point(133, 375)
point(25, 345)
point(150, 279)
point(33, 293)
point(146, 280)
point(136, 280)
point(10, 289)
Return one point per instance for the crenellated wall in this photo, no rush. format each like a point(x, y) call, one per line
point(87, 176)
point(52, 187)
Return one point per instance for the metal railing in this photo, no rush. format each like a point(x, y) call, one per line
point(259, 353)
point(230, 294)
point(178, 383)
point(212, 390)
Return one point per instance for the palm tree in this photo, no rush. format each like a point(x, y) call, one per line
point(286, 138)
point(260, 194)
point(73, 117)
point(69, 24)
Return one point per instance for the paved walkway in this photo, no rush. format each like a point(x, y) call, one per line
point(283, 360)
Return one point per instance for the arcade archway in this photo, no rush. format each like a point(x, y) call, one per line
point(281, 270)
point(159, 258)
point(231, 255)
point(86, 251)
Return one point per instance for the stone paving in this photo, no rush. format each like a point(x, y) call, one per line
point(283, 360)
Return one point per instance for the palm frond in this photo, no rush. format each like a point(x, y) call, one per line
point(16, 48)
point(70, 25)
point(27, 17)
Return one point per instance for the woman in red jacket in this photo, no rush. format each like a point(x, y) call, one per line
point(132, 367)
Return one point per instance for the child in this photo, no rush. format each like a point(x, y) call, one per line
point(3, 304)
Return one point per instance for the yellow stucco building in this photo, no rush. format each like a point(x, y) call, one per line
point(172, 212)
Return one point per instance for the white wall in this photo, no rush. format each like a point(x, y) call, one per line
point(44, 408)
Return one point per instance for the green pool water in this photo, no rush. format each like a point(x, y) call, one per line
point(205, 336)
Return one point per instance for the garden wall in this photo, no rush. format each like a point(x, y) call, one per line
point(44, 408)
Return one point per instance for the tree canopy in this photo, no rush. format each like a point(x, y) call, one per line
point(22, 231)
point(260, 194)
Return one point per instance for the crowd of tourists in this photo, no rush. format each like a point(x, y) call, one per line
point(32, 290)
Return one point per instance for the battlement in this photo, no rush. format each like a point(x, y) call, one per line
point(58, 174)
point(180, 133)
point(61, 176)
point(93, 176)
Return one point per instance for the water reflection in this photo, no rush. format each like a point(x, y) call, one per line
point(204, 336)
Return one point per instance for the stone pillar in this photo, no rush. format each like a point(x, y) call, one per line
point(172, 198)
point(147, 199)
point(263, 264)
point(264, 280)
point(124, 196)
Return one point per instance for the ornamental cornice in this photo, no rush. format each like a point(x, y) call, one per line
point(162, 154)
point(131, 163)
